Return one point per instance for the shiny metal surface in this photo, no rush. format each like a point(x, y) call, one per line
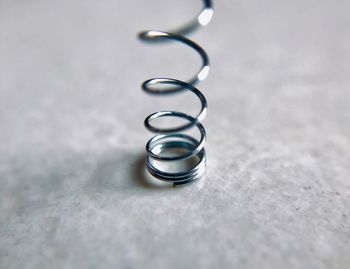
point(174, 138)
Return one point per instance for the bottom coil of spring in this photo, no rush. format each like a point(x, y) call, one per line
point(173, 139)
point(188, 144)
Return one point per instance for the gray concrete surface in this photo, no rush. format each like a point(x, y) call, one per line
point(276, 193)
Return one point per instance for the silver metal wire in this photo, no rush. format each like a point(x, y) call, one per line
point(174, 138)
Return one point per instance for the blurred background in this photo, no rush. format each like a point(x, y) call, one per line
point(277, 191)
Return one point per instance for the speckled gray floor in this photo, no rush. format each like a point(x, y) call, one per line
point(277, 189)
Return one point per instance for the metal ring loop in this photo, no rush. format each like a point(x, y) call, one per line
point(170, 138)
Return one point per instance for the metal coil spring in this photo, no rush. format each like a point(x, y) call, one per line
point(175, 138)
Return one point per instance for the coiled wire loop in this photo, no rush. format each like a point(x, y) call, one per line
point(174, 138)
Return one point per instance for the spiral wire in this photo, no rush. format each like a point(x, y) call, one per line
point(175, 138)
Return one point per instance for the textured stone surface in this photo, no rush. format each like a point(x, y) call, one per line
point(277, 189)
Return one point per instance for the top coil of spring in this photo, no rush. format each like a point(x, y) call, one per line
point(171, 138)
